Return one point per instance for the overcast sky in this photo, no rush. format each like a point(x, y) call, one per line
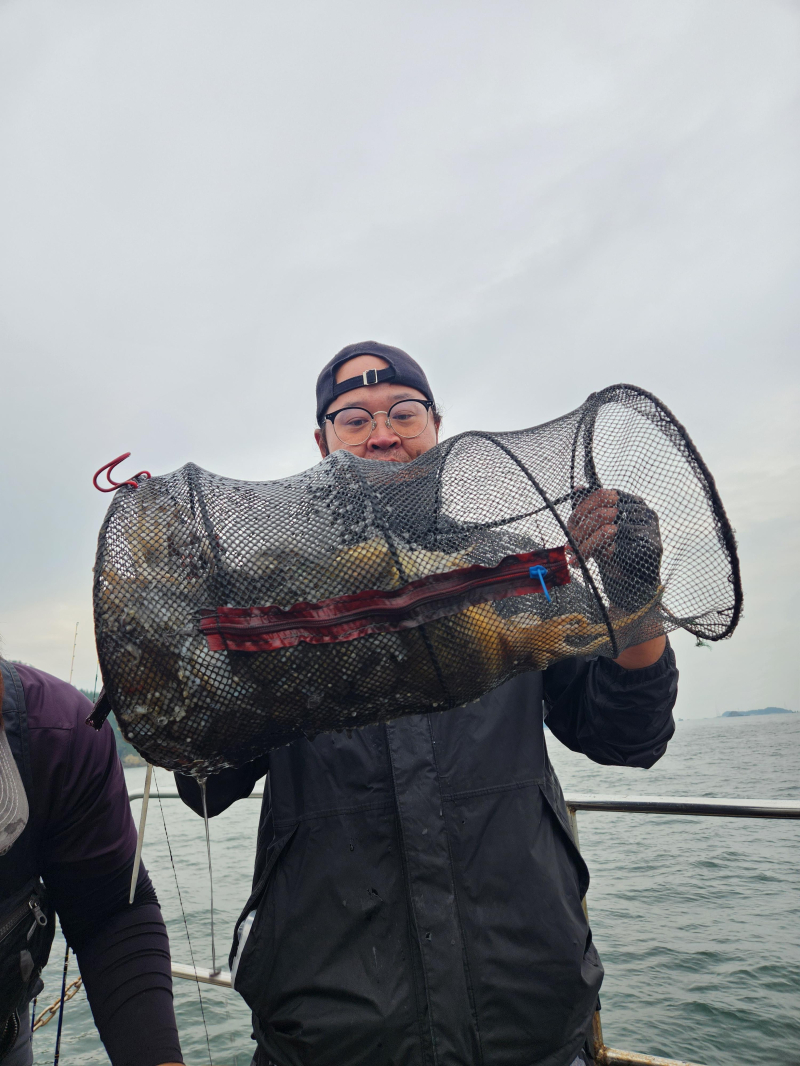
point(201, 202)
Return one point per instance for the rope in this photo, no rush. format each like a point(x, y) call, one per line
point(202, 782)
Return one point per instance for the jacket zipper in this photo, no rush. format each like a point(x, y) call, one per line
point(29, 907)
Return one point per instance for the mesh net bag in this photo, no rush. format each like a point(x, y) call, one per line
point(233, 617)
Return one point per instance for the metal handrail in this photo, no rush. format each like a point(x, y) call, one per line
point(221, 978)
point(681, 805)
point(697, 805)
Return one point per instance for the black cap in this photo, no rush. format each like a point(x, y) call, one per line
point(402, 370)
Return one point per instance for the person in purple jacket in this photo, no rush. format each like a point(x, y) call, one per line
point(67, 843)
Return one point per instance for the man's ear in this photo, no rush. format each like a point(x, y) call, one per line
point(322, 444)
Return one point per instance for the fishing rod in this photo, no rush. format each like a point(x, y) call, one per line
point(74, 644)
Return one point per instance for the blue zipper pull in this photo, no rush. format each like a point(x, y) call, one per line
point(540, 571)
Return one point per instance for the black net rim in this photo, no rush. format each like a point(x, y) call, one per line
point(725, 533)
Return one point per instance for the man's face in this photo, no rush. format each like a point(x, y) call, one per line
point(383, 443)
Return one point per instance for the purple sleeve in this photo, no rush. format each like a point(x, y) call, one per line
point(81, 816)
point(124, 958)
point(80, 807)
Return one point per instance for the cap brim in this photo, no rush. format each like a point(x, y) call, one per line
point(13, 800)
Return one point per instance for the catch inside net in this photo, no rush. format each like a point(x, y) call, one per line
point(233, 617)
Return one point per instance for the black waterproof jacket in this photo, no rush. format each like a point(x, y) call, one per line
point(417, 891)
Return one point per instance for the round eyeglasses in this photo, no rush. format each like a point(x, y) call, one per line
point(354, 425)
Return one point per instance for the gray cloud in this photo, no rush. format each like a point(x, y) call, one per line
point(199, 203)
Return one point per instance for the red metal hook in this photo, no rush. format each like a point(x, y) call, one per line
point(117, 484)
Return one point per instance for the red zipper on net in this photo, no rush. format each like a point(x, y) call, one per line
point(361, 614)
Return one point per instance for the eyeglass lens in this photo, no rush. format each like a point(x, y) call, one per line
point(408, 418)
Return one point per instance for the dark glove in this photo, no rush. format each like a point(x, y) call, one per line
point(631, 570)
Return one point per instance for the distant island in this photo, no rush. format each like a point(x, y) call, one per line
point(763, 710)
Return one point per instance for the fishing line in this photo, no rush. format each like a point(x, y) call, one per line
point(183, 915)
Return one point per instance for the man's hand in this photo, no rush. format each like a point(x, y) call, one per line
point(594, 525)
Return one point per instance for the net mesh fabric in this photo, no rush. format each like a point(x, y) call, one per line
point(191, 544)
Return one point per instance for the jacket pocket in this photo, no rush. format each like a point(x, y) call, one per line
point(249, 915)
point(551, 791)
point(26, 933)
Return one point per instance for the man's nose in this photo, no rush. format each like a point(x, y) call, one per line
point(383, 438)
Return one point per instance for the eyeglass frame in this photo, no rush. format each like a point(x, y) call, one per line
point(427, 404)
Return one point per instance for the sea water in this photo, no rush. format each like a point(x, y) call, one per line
point(697, 919)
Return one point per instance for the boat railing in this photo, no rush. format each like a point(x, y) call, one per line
point(672, 805)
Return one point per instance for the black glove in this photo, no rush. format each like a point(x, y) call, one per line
point(631, 569)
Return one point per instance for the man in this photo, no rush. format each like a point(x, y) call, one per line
point(417, 893)
point(67, 845)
